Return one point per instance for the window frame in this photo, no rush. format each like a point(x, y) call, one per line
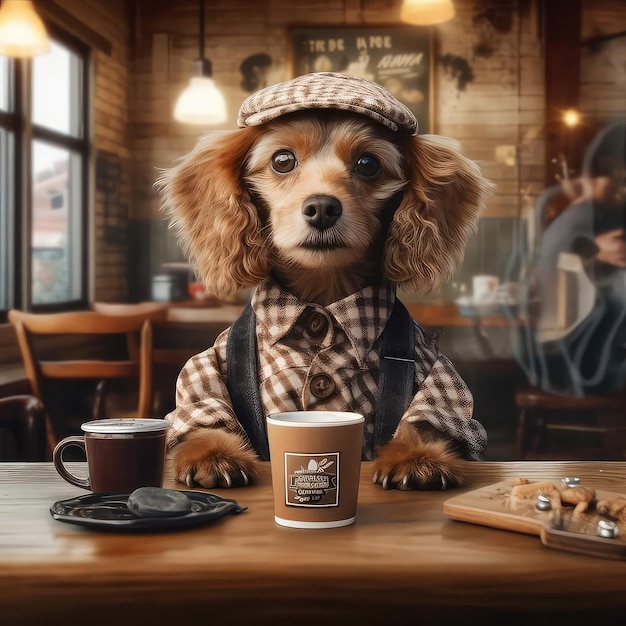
point(19, 122)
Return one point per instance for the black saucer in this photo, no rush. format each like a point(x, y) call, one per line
point(111, 512)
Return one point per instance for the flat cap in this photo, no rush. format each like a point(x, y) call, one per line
point(327, 90)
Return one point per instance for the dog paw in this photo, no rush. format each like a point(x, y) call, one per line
point(408, 462)
point(214, 458)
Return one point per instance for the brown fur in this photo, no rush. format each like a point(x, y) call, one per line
point(232, 463)
point(413, 460)
point(234, 244)
point(241, 220)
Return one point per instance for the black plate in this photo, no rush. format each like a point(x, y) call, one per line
point(110, 512)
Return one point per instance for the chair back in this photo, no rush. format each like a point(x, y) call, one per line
point(153, 310)
point(178, 333)
point(174, 343)
point(56, 363)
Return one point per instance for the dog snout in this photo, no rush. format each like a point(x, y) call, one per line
point(321, 211)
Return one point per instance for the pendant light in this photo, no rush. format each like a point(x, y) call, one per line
point(426, 12)
point(22, 32)
point(201, 102)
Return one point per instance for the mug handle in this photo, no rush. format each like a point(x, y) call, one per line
point(57, 458)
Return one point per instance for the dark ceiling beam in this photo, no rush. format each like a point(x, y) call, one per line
point(51, 11)
point(562, 36)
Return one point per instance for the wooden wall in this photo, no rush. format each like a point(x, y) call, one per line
point(488, 74)
point(603, 59)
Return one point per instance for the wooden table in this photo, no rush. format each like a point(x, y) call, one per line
point(448, 316)
point(403, 560)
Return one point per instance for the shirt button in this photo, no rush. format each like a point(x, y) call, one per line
point(322, 386)
point(316, 325)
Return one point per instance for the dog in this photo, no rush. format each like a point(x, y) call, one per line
point(325, 200)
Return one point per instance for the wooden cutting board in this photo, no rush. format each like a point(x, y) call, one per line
point(494, 506)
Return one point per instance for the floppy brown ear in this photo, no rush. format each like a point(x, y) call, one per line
point(437, 214)
point(212, 214)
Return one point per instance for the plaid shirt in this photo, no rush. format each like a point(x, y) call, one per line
point(300, 343)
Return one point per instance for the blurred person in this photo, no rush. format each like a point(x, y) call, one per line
point(576, 282)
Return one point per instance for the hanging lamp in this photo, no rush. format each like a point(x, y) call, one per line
point(426, 12)
point(201, 102)
point(22, 32)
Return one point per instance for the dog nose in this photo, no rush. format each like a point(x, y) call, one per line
point(321, 211)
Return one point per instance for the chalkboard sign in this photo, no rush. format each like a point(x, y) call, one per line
point(397, 57)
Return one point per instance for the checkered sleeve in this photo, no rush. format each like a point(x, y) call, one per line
point(444, 401)
point(202, 399)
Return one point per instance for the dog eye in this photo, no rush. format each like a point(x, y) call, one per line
point(367, 166)
point(283, 161)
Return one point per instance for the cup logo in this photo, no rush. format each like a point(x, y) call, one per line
point(312, 479)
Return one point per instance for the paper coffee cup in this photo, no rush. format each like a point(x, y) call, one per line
point(315, 460)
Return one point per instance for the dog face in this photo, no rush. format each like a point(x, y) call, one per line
point(324, 180)
point(325, 201)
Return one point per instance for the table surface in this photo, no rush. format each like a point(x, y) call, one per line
point(430, 315)
point(402, 558)
point(448, 315)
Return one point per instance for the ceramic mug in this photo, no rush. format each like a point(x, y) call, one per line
point(484, 288)
point(122, 454)
point(315, 459)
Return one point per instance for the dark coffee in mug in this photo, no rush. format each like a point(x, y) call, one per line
point(122, 454)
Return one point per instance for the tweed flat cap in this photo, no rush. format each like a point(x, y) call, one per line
point(327, 90)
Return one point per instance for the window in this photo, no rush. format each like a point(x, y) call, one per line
point(44, 150)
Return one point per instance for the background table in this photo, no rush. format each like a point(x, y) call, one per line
point(403, 560)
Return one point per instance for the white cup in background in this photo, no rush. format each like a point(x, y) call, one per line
point(484, 288)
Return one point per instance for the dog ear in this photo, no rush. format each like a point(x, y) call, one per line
point(213, 215)
point(438, 212)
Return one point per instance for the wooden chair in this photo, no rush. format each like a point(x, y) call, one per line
point(166, 357)
point(87, 348)
point(599, 417)
point(153, 310)
point(173, 343)
point(23, 417)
